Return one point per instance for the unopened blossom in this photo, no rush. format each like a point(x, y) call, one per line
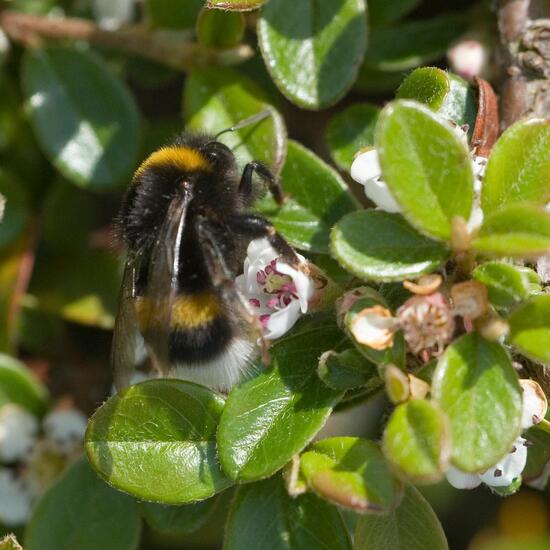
point(427, 284)
point(65, 429)
point(427, 322)
point(373, 327)
point(535, 404)
point(470, 299)
point(366, 171)
point(469, 57)
point(277, 292)
point(15, 499)
point(18, 429)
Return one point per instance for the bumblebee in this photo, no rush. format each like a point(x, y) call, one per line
point(186, 222)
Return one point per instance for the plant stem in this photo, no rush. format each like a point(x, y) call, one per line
point(164, 47)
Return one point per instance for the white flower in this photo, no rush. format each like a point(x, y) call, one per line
point(535, 404)
point(18, 429)
point(277, 292)
point(462, 480)
point(468, 58)
point(508, 468)
point(15, 500)
point(366, 171)
point(374, 327)
point(65, 429)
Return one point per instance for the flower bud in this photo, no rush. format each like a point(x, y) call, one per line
point(397, 384)
point(470, 299)
point(373, 327)
point(535, 403)
point(427, 284)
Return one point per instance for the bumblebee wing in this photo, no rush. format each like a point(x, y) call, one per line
point(162, 280)
point(126, 332)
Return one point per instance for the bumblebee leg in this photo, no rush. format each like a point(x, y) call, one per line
point(256, 227)
point(224, 280)
point(245, 187)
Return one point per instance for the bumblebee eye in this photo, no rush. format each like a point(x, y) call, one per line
point(217, 153)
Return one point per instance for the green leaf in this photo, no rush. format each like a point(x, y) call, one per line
point(350, 472)
point(68, 217)
point(426, 167)
point(18, 385)
point(173, 14)
point(268, 419)
point(157, 442)
point(476, 385)
point(218, 98)
point(507, 284)
point(518, 167)
point(348, 370)
point(521, 230)
point(382, 12)
point(220, 29)
point(313, 48)
point(443, 92)
point(416, 440)
point(17, 213)
point(85, 120)
point(82, 288)
point(264, 516)
point(530, 328)
point(177, 520)
point(538, 457)
point(351, 130)
point(235, 5)
point(80, 511)
point(406, 45)
point(318, 198)
point(412, 526)
point(393, 250)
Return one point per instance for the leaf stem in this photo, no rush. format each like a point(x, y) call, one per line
point(168, 48)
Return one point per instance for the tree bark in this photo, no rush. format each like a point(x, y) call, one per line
point(524, 29)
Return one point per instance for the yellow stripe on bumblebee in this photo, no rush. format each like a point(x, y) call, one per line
point(183, 158)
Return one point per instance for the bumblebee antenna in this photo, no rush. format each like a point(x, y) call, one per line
point(246, 122)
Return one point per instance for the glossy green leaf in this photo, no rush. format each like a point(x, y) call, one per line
point(177, 520)
point(268, 419)
point(521, 230)
point(217, 98)
point(220, 29)
point(18, 385)
point(530, 328)
point(476, 385)
point(313, 48)
point(507, 284)
point(426, 167)
point(412, 526)
point(347, 370)
point(350, 131)
point(68, 217)
point(416, 440)
point(318, 198)
point(383, 247)
point(350, 472)
point(382, 12)
point(264, 516)
point(157, 442)
point(538, 456)
point(81, 511)
point(85, 120)
point(443, 92)
point(16, 214)
point(412, 43)
point(235, 5)
point(173, 14)
point(82, 288)
point(519, 167)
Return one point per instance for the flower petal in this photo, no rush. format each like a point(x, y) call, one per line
point(462, 480)
point(366, 167)
point(18, 429)
point(377, 191)
point(304, 285)
point(535, 404)
point(280, 322)
point(65, 428)
point(15, 500)
point(508, 468)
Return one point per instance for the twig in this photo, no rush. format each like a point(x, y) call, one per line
point(160, 46)
point(524, 28)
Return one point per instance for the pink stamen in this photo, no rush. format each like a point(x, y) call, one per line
point(273, 302)
point(254, 302)
point(261, 277)
point(264, 319)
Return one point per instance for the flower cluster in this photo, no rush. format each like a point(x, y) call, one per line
point(30, 461)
